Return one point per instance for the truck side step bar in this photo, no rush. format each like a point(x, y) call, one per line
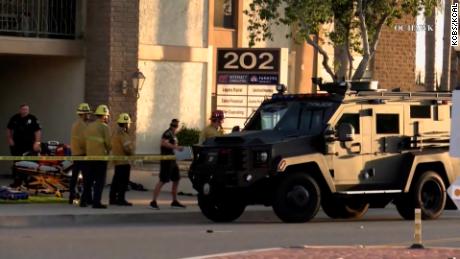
point(370, 192)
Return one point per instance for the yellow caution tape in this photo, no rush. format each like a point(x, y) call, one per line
point(89, 158)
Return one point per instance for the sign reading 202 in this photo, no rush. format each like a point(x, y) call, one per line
point(248, 60)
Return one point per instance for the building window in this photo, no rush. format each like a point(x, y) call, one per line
point(224, 13)
point(387, 123)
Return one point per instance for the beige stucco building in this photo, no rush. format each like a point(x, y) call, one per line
point(93, 50)
point(177, 54)
point(173, 43)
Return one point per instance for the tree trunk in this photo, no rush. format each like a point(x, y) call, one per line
point(359, 73)
point(323, 53)
point(341, 59)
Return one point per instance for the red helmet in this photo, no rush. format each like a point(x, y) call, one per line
point(217, 114)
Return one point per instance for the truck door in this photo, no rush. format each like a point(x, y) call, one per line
point(382, 165)
point(347, 161)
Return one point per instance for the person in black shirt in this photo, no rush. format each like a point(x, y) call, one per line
point(24, 135)
point(169, 171)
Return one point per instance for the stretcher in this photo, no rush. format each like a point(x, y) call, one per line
point(49, 177)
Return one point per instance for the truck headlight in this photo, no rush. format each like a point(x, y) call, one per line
point(206, 189)
point(248, 177)
point(212, 157)
point(261, 157)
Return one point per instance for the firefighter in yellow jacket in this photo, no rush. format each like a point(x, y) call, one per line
point(98, 143)
point(78, 143)
point(214, 129)
point(122, 145)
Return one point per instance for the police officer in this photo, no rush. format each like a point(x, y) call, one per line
point(169, 170)
point(24, 135)
point(77, 143)
point(98, 143)
point(214, 129)
point(121, 146)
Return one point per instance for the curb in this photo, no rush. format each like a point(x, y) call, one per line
point(165, 216)
point(150, 216)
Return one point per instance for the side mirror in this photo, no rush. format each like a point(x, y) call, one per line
point(329, 133)
point(346, 132)
point(236, 129)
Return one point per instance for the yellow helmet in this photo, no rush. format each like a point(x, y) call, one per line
point(102, 110)
point(83, 108)
point(124, 118)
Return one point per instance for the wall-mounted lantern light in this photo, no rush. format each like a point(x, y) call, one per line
point(137, 81)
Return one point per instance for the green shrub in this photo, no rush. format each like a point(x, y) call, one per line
point(188, 136)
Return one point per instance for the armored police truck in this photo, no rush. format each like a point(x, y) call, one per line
point(346, 148)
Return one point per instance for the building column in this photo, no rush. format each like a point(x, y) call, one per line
point(97, 69)
point(303, 67)
point(124, 53)
point(112, 37)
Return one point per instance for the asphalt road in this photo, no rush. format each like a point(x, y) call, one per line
point(193, 235)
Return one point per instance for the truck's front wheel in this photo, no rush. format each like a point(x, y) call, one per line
point(297, 198)
point(428, 194)
point(220, 208)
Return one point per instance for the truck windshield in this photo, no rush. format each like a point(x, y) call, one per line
point(271, 115)
point(308, 117)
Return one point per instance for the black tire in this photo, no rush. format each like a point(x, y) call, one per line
point(343, 208)
point(428, 194)
point(405, 206)
point(297, 199)
point(330, 206)
point(220, 208)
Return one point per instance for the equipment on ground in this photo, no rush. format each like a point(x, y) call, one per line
point(49, 177)
point(8, 193)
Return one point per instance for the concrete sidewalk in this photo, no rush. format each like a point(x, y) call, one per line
point(29, 215)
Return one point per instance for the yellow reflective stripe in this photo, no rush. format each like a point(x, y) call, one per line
point(94, 138)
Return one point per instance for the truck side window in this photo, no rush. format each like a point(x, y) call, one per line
point(387, 124)
point(311, 120)
point(352, 118)
point(420, 111)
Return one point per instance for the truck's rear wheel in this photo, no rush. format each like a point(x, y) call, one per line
point(297, 198)
point(220, 208)
point(343, 208)
point(428, 194)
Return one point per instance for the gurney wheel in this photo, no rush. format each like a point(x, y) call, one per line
point(58, 194)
